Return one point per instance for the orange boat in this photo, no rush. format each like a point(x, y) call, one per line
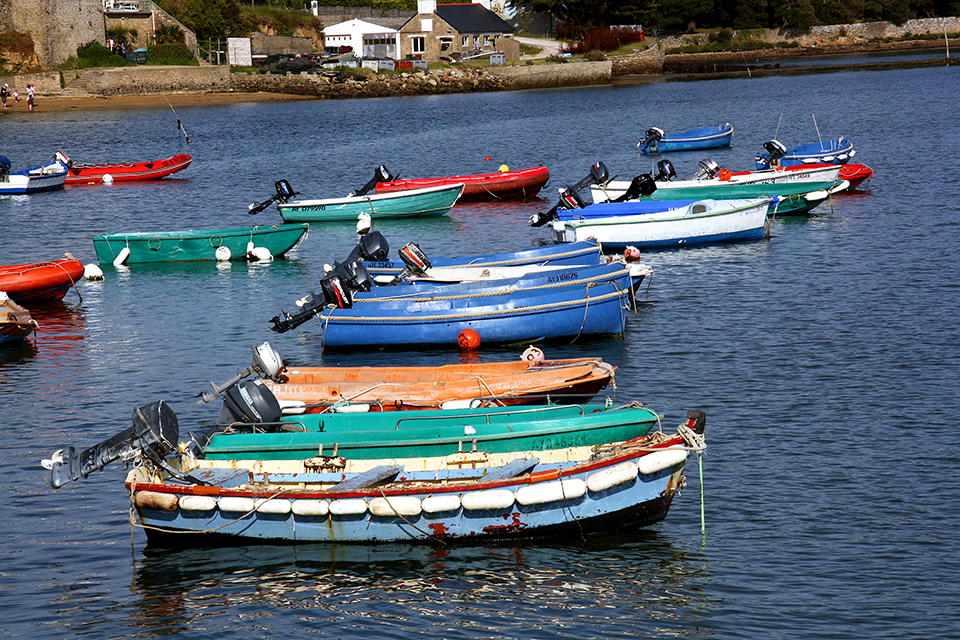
point(41, 281)
point(15, 321)
point(320, 389)
point(483, 187)
point(78, 173)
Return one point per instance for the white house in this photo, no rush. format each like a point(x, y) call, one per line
point(368, 40)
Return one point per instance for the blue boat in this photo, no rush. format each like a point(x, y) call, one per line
point(587, 252)
point(579, 301)
point(836, 151)
point(46, 177)
point(656, 141)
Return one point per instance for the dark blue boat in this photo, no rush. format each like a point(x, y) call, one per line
point(656, 141)
point(836, 151)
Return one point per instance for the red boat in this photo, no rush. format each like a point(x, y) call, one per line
point(40, 281)
point(78, 173)
point(483, 187)
point(855, 174)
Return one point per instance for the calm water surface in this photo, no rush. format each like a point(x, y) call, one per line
point(825, 358)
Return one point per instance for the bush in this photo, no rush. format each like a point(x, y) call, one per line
point(175, 53)
point(598, 39)
point(94, 54)
point(596, 56)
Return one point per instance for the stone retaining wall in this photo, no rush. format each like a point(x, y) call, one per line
point(148, 80)
point(650, 60)
point(47, 83)
point(554, 75)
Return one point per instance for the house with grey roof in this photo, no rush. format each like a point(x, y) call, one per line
point(456, 32)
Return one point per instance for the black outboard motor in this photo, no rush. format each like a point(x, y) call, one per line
point(653, 135)
point(642, 185)
point(283, 194)
point(153, 435)
point(251, 402)
point(775, 151)
point(570, 197)
point(415, 263)
point(380, 174)
point(708, 169)
point(267, 363)
point(665, 171)
point(4, 168)
point(372, 247)
point(333, 294)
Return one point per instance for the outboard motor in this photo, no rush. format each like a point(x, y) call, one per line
point(415, 262)
point(333, 294)
point(283, 194)
point(251, 402)
point(653, 135)
point(708, 169)
point(372, 247)
point(267, 363)
point(153, 435)
point(62, 158)
point(665, 171)
point(770, 159)
point(380, 174)
point(570, 197)
point(4, 168)
point(642, 185)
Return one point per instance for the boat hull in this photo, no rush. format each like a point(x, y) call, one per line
point(835, 151)
point(509, 185)
point(696, 139)
point(434, 201)
point(48, 177)
point(181, 246)
point(78, 174)
point(40, 281)
point(698, 223)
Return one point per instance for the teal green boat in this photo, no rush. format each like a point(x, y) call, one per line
point(429, 201)
point(424, 434)
point(245, 243)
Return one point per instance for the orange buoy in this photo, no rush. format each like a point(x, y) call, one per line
point(468, 339)
point(725, 174)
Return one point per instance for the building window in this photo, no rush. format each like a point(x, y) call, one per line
point(418, 44)
point(465, 41)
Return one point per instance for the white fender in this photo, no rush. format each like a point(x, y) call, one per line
point(261, 254)
point(121, 257)
point(611, 476)
point(311, 507)
point(107, 178)
point(222, 254)
point(490, 499)
point(273, 505)
point(92, 272)
point(441, 503)
point(543, 492)
point(198, 503)
point(156, 500)
point(660, 460)
point(395, 506)
point(348, 506)
point(239, 505)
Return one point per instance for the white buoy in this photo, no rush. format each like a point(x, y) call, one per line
point(250, 246)
point(261, 254)
point(223, 253)
point(121, 257)
point(107, 178)
point(532, 354)
point(92, 272)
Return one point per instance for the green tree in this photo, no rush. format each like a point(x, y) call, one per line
point(169, 34)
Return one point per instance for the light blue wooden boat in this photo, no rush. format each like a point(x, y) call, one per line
point(656, 141)
point(429, 201)
point(836, 151)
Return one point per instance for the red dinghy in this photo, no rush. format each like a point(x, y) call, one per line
point(855, 174)
point(40, 281)
point(78, 173)
point(483, 187)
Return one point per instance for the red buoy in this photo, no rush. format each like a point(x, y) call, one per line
point(468, 339)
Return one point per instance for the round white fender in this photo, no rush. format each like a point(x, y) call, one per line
point(611, 476)
point(156, 500)
point(395, 506)
point(261, 254)
point(543, 492)
point(198, 503)
point(107, 178)
point(239, 505)
point(491, 499)
point(121, 257)
point(222, 254)
point(92, 272)
point(441, 503)
point(311, 507)
point(660, 460)
point(348, 506)
point(273, 505)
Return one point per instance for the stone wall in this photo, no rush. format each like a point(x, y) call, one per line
point(554, 75)
point(47, 83)
point(147, 80)
point(263, 44)
point(57, 28)
point(650, 60)
point(336, 15)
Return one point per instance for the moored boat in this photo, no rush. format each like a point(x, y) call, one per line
point(45, 177)
point(84, 173)
point(244, 243)
point(517, 184)
point(834, 151)
point(16, 323)
point(660, 225)
point(40, 281)
point(428, 201)
point(656, 141)
point(614, 486)
point(852, 173)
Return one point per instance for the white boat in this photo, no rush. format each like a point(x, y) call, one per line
point(618, 224)
point(710, 175)
point(46, 177)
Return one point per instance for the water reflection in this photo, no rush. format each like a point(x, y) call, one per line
point(495, 590)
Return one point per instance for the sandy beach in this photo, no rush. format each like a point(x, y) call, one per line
point(164, 100)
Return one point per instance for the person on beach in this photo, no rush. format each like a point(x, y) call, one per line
point(31, 90)
point(3, 95)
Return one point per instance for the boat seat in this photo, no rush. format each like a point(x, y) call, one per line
point(369, 478)
point(512, 469)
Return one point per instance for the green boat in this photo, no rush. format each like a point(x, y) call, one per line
point(424, 434)
point(246, 243)
point(430, 201)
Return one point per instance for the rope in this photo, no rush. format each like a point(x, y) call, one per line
point(397, 513)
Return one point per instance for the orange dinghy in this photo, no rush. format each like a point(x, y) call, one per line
point(40, 281)
point(78, 173)
point(531, 380)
